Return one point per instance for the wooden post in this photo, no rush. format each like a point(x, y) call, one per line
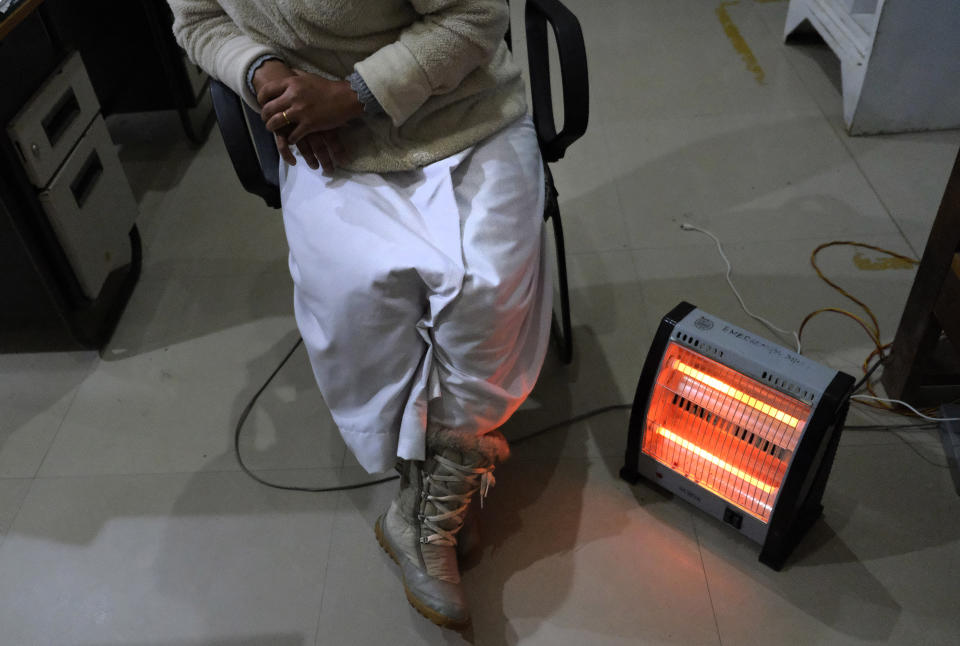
point(916, 370)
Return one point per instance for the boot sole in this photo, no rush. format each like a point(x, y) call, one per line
point(439, 619)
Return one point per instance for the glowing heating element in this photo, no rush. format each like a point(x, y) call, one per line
point(728, 433)
point(710, 457)
point(735, 394)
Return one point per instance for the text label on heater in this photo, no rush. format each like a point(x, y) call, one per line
point(752, 340)
point(689, 494)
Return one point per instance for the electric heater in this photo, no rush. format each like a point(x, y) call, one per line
point(743, 428)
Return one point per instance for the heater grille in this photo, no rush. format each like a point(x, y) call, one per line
point(744, 429)
point(723, 430)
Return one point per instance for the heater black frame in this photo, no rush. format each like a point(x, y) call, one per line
point(798, 504)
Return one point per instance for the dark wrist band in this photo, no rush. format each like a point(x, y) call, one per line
point(255, 66)
point(370, 103)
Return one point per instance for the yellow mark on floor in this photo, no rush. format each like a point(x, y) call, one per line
point(864, 263)
point(739, 43)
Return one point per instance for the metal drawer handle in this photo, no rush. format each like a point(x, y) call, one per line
point(83, 184)
point(61, 116)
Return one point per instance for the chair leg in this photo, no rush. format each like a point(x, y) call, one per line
point(565, 335)
point(563, 331)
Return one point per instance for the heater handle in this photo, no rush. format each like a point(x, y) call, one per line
point(798, 504)
point(648, 376)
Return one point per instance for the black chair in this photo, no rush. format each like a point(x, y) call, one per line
point(256, 161)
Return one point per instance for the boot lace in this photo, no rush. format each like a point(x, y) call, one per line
point(452, 505)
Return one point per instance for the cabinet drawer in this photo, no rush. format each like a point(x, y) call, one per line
point(92, 209)
point(49, 124)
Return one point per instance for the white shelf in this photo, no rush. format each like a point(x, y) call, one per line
point(866, 13)
point(899, 60)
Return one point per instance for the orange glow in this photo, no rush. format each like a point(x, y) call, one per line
point(712, 459)
point(735, 394)
point(730, 434)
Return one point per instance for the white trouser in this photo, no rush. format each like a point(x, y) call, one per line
point(422, 296)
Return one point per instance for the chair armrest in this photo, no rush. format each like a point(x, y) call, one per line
point(251, 148)
point(573, 71)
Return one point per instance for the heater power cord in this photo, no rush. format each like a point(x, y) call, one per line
point(686, 226)
point(905, 404)
point(853, 396)
point(866, 377)
point(871, 326)
point(245, 413)
point(873, 331)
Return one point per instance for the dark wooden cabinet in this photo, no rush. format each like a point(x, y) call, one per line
point(49, 298)
point(133, 59)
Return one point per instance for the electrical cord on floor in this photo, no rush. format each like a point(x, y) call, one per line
point(872, 328)
point(243, 418)
point(866, 377)
point(919, 426)
point(903, 403)
point(369, 483)
point(686, 226)
point(253, 400)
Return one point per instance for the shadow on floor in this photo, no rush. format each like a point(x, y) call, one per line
point(32, 387)
point(153, 149)
point(171, 309)
point(536, 514)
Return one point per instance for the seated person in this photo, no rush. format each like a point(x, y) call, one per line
point(421, 287)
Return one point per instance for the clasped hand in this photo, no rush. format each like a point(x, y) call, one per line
point(306, 110)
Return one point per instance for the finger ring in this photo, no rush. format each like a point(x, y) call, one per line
point(285, 117)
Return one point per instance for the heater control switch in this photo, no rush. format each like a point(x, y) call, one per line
point(732, 517)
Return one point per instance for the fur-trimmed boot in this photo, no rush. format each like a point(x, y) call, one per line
point(420, 529)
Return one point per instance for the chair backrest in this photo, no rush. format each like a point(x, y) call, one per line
point(573, 74)
point(254, 154)
point(250, 145)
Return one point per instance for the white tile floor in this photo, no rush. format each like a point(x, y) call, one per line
point(124, 519)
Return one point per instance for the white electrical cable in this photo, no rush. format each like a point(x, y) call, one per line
point(903, 403)
point(689, 227)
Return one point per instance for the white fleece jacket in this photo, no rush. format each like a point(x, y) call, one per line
point(439, 68)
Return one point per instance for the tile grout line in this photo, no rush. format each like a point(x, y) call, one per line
point(16, 513)
point(31, 479)
point(873, 188)
point(326, 565)
point(842, 139)
point(916, 449)
point(63, 420)
point(617, 193)
point(703, 567)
